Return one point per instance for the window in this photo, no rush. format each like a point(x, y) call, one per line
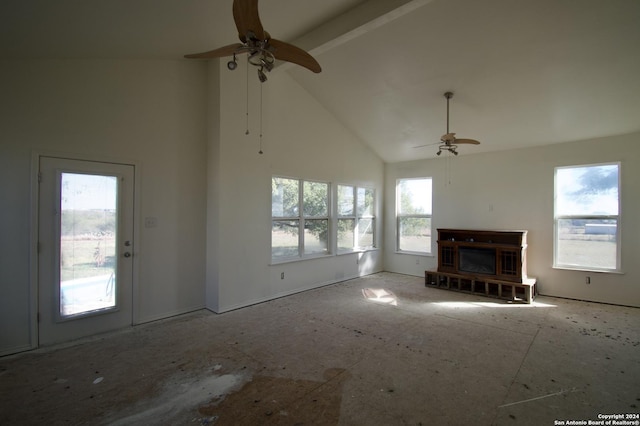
point(356, 218)
point(587, 206)
point(299, 218)
point(413, 212)
point(315, 202)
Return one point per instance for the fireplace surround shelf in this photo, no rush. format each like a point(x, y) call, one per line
point(483, 261)
point(515, 292)
point(497, 254)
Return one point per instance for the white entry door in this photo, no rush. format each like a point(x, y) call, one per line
point(85, 248)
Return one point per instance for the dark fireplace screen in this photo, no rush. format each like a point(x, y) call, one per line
point(478, 260)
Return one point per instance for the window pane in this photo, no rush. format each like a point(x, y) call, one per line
point(345, 200)
point(414, 234)
point(414, 196)
point(284, 238)
point(587, 243)
point(284, 197)
point(315, 199)
point(315, 236)
point(365, 202)
point(87, 243)
point(584, 191)
point(346, 234)
point(365, 232)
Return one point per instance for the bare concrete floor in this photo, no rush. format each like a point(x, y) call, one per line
point(331, 356)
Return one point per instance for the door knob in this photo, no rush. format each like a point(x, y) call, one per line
point(127, 254)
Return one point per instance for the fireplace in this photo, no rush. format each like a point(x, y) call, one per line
point(477, 260)
point(487, 253)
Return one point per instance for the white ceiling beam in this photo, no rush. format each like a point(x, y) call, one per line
point(361, 19)
point(358, 21)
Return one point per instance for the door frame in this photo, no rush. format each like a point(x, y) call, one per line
point(34, 232)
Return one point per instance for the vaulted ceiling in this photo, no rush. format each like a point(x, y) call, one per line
point(524, 72)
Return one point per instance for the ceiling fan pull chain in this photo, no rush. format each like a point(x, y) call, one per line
point(247, 109)
point(260, 152)
point(448, 171)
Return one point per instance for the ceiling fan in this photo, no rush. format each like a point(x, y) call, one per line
point(262, 50)
point(449, 142)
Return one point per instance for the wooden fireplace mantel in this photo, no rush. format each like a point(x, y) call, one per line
point(509, 247)
point(501, 264)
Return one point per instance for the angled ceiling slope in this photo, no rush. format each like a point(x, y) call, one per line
point(524, 72)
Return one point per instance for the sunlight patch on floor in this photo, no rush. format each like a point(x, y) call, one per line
point(380, 295)
point(467, 305)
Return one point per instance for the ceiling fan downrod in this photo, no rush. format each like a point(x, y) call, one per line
point(448, 145)
point(258, 55)
point(448, 95)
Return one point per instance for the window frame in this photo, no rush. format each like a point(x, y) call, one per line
point(302, 218)
point(400, 216)
point(356, 216)
point(559, 217)
point(311, 218)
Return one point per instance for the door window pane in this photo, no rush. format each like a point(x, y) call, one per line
point(88, 213)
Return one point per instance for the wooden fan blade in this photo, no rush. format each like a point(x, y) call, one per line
point(245, 13)
point(469, 141)
point(217, 53)
point(290, 53)
point(425, 145)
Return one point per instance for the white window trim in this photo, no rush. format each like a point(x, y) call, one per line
point(332, 238)
point(399, 216)
point(301, 222)
point(618, 218)
point(356, 248)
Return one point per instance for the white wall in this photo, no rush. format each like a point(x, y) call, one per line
point(151, 113)
point(183, 124)
point(514, 190)
point(213, 183)
point(300, 140)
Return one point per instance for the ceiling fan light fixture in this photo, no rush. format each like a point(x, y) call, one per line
point(255, 58)
point(267, 64)
point(262, 76)
point(232, 64)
